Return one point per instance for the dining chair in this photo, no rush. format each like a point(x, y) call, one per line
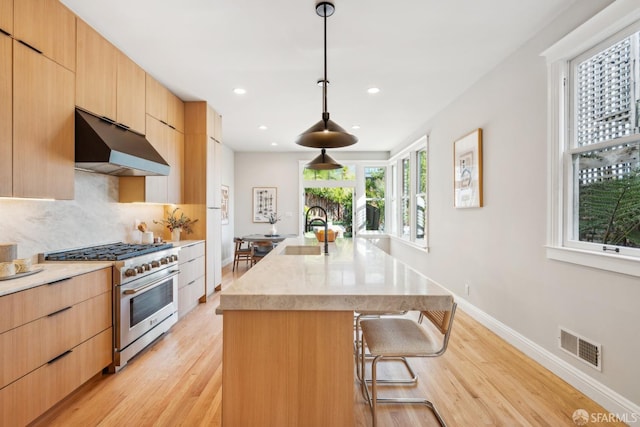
point(259, 250)
point(403, 337)
point(241, 253)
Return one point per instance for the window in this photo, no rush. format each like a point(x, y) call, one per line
point(411, 176)
point(406, 198)
point(595, 145)
point(374, 187)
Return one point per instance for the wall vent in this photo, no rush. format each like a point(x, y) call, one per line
point(590, 353)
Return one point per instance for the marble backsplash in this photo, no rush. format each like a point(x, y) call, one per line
point(93, 217)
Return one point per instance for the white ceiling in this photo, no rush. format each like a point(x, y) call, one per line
point(422, 54)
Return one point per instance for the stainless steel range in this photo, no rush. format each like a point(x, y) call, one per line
point(145, 293)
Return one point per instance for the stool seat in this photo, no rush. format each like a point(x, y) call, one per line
point(397, 337)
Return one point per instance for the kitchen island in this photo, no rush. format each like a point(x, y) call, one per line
point(288, 330)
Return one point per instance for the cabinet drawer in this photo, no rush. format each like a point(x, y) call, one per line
point(189, 295)
point(24, 400)
point(32, 345)
point(191, 270)
point(26, 306)
point(190, 252)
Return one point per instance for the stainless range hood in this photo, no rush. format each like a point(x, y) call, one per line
point(104, 147)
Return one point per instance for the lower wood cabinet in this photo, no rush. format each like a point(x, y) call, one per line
point(53, 338)
point(191, 280)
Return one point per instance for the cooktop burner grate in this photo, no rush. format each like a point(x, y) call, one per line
point(108, 252)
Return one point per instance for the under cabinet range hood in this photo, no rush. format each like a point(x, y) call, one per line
point(105, 147)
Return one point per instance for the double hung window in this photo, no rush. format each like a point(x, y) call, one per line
point(595, 146)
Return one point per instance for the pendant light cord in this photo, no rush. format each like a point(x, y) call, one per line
point(325, 113)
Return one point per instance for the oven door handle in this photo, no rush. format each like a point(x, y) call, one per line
point(149, 285)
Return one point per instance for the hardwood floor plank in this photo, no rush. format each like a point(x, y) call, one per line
point(480, 381)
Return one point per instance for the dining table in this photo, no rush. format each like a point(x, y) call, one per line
point(274, 238)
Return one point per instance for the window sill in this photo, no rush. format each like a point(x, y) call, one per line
point(409, 243)
point(616, 263)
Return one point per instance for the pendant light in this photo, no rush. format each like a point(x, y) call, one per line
point(326, 133)
point(323, 162)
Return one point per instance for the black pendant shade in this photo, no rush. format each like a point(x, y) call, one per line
point(323, 162)
point(326, 133)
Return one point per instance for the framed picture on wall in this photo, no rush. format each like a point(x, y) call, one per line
point(467, 167)
point(224, 204)
point(265, 202)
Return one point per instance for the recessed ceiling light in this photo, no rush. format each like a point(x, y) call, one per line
point(262, 127)
point(274, 143)
point(239, 91)
point(355, 127)
point(373, 90)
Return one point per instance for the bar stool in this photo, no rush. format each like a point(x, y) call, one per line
point(392, 337)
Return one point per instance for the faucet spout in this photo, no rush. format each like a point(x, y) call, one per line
point(313, 221)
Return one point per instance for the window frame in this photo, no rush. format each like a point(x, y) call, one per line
point(410, 153)
point(610, 24)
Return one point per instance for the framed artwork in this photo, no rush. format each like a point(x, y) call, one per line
point(224, 204)
point(467, 167)
point(265, 200)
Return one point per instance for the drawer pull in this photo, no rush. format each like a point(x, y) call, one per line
point(191, 283)
point(29, 46)
point(55, 359)
point(59, 311)
point(191, 260)
point(59, 281)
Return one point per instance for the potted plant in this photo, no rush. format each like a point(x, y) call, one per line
point(177, 224)
point(273, 219)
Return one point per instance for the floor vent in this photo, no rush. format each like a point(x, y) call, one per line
point(580, 348)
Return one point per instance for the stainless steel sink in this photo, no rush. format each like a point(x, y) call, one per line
point(302, 250)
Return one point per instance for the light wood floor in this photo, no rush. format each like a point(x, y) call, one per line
point(481, 380)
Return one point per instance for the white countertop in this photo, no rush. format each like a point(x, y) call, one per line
point(51, 272)
point(356, 275)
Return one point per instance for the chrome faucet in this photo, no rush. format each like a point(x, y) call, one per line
point(320, 221)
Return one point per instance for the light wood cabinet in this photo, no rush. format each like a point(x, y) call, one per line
point(42, 95)
point(130, 96)
point(6, 115)
point(97, 68)
point(175, 158)
point(158, 189)
point(6, 16)
point(164, 105)
point(175, 113)
point(203, 155)
point(48, 26)
point(191, 283)
point(53, 338)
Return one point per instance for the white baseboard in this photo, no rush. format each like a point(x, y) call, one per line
point(603, 395)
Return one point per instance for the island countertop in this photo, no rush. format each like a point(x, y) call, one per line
point(356, 275)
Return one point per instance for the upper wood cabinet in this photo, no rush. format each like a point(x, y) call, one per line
point(6, 16)
point(176, 113)
point(169, 143)
point(164, 105)
point(130, 96)
point(6, 116)
point(43, 126)
point(157, 105)
point(108, 83)
point(97, 67)
point(175, 158)
point(48, 26)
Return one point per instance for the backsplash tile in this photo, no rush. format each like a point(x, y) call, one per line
point(93, 217)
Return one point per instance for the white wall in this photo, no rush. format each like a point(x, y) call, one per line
point(499, 250)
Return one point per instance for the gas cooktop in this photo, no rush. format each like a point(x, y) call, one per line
point(108, 252)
